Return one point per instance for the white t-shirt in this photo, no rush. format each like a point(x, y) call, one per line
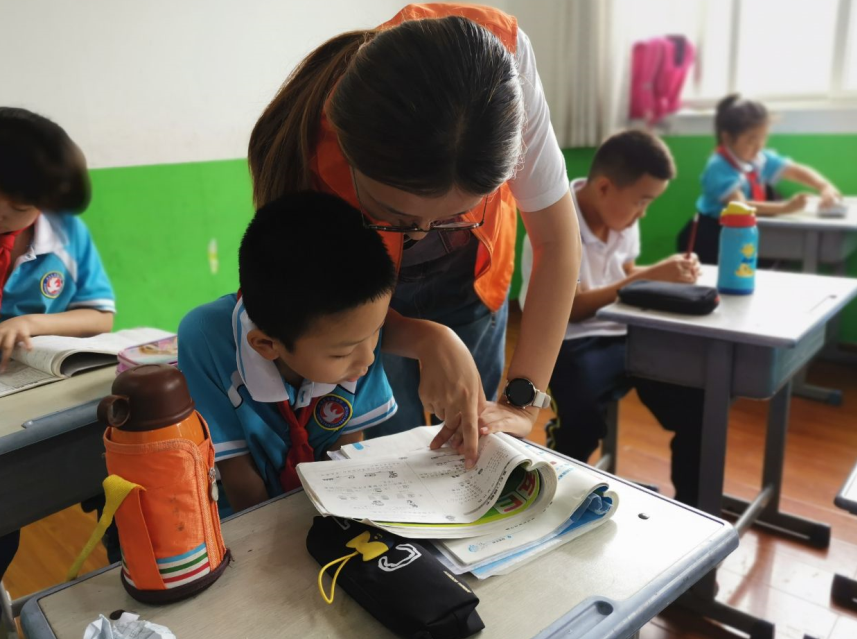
point(601, 264)
point(541, 180)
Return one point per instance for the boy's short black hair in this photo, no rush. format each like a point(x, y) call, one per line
point(736, 114)
point(40, 165)
point(307, 255)
point(629, 155)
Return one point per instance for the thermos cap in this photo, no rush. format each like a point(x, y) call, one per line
point(145, 398)
point(738, 214)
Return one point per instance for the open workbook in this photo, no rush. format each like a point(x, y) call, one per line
point(517, 497)
point(53, 358)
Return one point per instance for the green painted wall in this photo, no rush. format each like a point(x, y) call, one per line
point(834, 155)
point(153, 224)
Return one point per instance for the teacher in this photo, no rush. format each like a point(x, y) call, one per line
point(435, 126)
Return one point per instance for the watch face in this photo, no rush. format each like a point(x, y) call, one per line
point(520, 392)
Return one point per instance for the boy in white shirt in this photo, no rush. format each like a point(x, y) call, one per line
point(629, 171)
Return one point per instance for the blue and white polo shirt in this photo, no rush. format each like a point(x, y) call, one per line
point(61, 271)
point(720, 178)
point(237, 390)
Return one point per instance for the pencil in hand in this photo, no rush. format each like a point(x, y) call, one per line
point(692, 239)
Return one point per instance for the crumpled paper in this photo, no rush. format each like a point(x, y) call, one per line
point(128, 626)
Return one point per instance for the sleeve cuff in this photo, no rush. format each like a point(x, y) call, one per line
point(107, 305)
point(778, 174)
point(725, 193)
point(546, 199)
point(227, 450)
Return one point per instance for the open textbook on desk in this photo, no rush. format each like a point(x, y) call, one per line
point(517, 498)
point(54, 357)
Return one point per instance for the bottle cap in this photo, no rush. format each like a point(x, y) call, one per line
point(738, 214)
point(145, 398)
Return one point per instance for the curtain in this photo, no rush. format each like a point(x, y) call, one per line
point(583, 52)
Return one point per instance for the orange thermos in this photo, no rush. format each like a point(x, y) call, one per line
point(161, 485)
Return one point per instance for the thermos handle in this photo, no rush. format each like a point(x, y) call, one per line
point(114, 410)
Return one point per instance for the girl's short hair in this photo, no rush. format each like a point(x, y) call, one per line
point(736, 115)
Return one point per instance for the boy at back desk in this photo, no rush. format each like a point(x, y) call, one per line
point(630, 170)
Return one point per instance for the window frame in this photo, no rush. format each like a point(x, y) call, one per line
point(837, 95)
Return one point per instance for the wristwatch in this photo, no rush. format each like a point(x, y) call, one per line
point(521, 393)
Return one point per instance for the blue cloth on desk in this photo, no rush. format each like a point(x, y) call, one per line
point(593, 508)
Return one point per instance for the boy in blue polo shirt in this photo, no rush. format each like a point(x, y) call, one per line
point(51, 278)
point(288, 369)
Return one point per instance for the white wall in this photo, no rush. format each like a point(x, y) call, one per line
point(162, 81)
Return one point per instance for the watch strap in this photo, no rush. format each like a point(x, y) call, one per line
point(541, 400)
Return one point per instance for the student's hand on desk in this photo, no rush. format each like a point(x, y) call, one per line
point(676, 268)
point(498, 417)
point(830, 195)
point(451, 388)
point(12, 331)
point(795, 203)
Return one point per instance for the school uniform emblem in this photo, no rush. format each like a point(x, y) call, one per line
point(332, 412)
point(52, 284)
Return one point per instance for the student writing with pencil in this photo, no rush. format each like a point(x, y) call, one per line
point(629, 171)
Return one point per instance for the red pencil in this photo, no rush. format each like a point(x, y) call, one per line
point(692, 239)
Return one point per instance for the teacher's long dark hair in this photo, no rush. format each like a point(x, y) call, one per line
point(425, 106)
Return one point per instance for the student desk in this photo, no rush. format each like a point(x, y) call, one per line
point(606, 584)
point(57, 461)
point(750, 346)
point(811, 240)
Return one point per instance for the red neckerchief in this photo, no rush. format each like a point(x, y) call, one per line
point(757, 189)
point(7, 245)
point(300, 450)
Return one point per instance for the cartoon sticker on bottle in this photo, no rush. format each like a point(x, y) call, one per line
point(748, 261)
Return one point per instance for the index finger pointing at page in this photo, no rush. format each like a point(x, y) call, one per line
point(470, 432)
point(446, 431)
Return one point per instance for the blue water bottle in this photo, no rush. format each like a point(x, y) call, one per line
point(739, 249)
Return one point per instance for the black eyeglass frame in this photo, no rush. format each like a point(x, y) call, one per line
point(438, 225)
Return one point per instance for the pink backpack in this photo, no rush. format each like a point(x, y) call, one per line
point(659, 68)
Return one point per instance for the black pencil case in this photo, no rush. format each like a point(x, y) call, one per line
point(398, 581)
point(687, 299)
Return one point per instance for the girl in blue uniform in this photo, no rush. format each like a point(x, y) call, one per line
point(742, 169)
point(52, 281)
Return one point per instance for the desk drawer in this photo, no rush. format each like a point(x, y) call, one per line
point(757, 371)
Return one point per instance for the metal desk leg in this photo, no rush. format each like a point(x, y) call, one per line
point(832, 351)
point(610, 444)
point(764, 510)
point(7, 617)
point(712, 465)
point(811, 244)
point(844, 591)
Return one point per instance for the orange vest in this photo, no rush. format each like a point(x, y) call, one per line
point(495, 259)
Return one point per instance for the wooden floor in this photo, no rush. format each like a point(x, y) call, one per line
point(780, 580)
